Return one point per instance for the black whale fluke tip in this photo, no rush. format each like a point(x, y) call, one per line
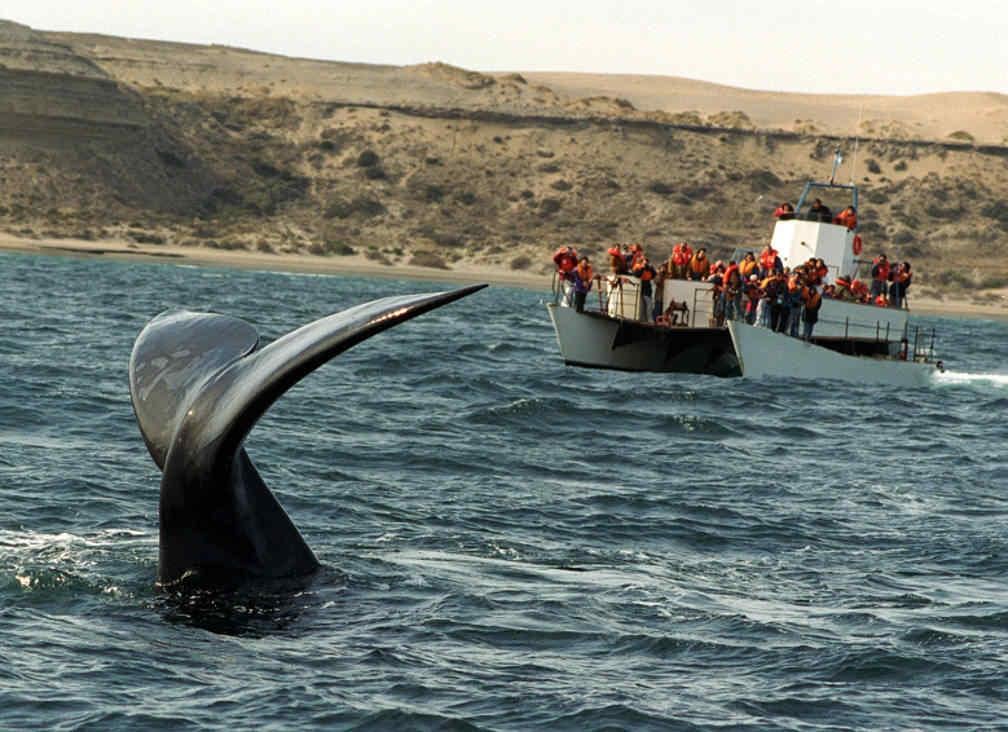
point(198, 383)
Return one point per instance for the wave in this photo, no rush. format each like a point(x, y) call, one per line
point(959, 377)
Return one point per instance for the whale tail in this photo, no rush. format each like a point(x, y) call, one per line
point(199, 382)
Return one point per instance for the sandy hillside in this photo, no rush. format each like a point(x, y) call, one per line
point(223, 149)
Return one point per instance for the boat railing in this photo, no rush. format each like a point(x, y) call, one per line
point(923, 344)
point(618, 296)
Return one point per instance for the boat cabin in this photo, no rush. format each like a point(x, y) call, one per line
point(810, 234)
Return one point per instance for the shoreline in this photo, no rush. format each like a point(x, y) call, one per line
point(361, 266)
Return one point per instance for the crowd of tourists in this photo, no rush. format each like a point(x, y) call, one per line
point(759, 290)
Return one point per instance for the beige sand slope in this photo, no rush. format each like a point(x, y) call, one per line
point(928, 116)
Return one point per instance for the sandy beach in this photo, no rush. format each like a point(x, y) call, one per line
point(359, 265)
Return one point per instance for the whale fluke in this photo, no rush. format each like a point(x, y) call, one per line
point(199, 383)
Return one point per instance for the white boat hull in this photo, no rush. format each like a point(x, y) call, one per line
point(762, 352)
point(600, 341)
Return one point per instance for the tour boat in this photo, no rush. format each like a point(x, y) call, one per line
point(852, 341)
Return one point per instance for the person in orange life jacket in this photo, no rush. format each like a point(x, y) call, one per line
point(716, 278)
point(617, 264)
point(907, 279)
point(819, 211)
point(899, 276)
point(793, 302)
point(699, 266)
point(679, 261)
point(565, 259)
point(732, 291)
point(784, 212)
point(635, 257)
point(645, 272)
point(813, 301)
point(821, 271)
point(747, 266)
point(775, 290)
point(880, 276)
point(769, 262)
point(751, 299)
point(843, 288)
point(847, 217)
point(583, 276)
point(860, 291)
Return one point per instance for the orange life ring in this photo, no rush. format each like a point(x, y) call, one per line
point(857, 244)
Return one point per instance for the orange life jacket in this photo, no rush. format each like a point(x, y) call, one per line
point(681, 254)
point(746, 267)
point(700, 265)
point(846, 218)
point(767, 258)
point(585, 273)
point(565, 259)
point(813, 301)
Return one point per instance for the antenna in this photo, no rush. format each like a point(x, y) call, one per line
point(857, 132)
point(837, 159)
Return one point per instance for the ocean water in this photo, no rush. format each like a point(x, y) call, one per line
point(508, 543)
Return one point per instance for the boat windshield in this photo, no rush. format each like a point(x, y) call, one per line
point(814, 187)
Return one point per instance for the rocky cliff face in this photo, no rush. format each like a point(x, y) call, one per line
point(74, 140)
point(208, 146)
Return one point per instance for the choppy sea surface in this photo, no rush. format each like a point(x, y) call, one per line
point(508, 543)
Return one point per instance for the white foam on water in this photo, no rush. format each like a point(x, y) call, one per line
point(959, 377)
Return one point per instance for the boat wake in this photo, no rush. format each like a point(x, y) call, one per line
point(958, 377)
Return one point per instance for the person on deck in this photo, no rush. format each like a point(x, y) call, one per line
point(617, 263)
point(896, 289)
point(847, 217)
point(679, 261)
point(751, 299)
point(905, 284)
point(793, 300)
point(813, 301)
point(748, 266)
point(784, 212)
point(732, 292)
point(565, 259)
point(645, 272)
point(774, 289)
point(699, 266)
point(659, 293)
point(880, 276)
point(819, 211)
point(769, 262)
point(583, 277)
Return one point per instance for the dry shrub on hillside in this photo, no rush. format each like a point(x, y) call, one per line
point(549, 206)
point(521, 262)
point(368, 159)
point(427, 259)
point(364, 207)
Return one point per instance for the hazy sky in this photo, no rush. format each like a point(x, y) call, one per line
point(857, 46)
